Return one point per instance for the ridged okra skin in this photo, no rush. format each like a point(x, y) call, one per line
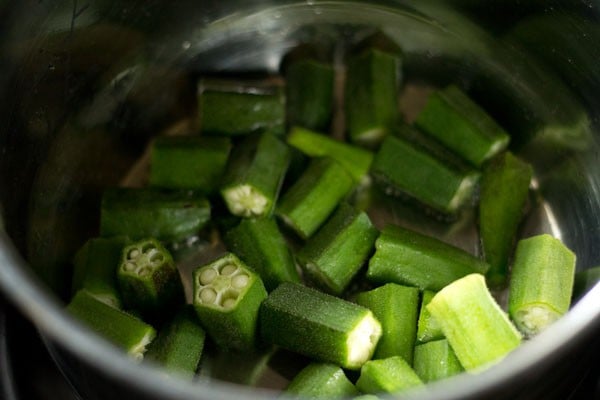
point(179, 345)
point(427, 327)
point(409, 258)
point(188, 162)
point(307, 204)
point(459, 123)
point(148, 278)
point(334, 255)
point(168, 215)
point(409, 164)
point(260, 244)
point(504, 191)
point(388, 375)
point(309, 93)
point(95, 268)
point(541, 283)
point(254, 175)
point(584, 281)
point(227, 297)
point(436, 360)
point(321, 380)
point(371, 94)
point(124, 330)
point(318, 325)
point(478, 330)
point(396, 309)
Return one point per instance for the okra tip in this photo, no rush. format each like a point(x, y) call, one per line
point(362, 341)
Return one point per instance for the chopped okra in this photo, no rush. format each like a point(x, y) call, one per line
point(436, 360)
point(321, 380)
point(388, 375)
point(427, 327)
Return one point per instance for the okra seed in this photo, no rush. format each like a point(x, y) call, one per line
point(208, 295)
point(228, 269)
point(240, 281)
point(133, 254)
point(228, 303)
point(129, 266)
point(155, 257)
point(143, 271)
point(207, 276)
point(147, 247)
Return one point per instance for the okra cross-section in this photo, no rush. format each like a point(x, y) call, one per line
point(409, 258)
point(227, 297)
point(148, 278)
point(319, 325)
point(321, 380)
point(254, 175)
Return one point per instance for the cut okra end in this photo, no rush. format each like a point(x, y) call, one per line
point(144, 258)
point(221, 285)
point(246, 201)
point(534, 318)
point(362, 341)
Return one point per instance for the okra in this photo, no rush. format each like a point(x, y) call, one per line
point(179, 345)
point(95, 268)
point(504, 191)
point(463, 126)
point(356, 160)
point(584, 281)
point(388, 375)
point(254, 175)
point(306, 205)
point(148, 278)
point(409, 258)
point(333, 256)
point(436, 360)
point(371, 95)
point(309, 93)
point(427, 327)
point(188, 162)
point(240, 367)
point(321, 380)
point(478, 330)
point(233, 108)
point(168, 215)
point(541, 283)
point(259, 243)
point(395, 307)
point(416, 168)
point(124, 330)
point(227, 297)
point(318, 325)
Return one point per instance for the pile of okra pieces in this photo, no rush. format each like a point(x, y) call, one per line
point(369, 309)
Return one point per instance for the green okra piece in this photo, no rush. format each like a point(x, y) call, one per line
point(371, 94)
point(260, 244)
point(504, 191)
point(427, 327)
point(233, 108)
point(333, 256)
point(227, 297)
point(388, 375)
point(396, 308)
point(541, 283)
point(306, 205)
point(309, 93)
point(240, 367)
point(409, 258)
point(356, 160)
point(254, 175)
point(95, 268)
point(435, 360)
point(167, 215)
point(463, 126)
point(124, 330)
point(478, 330)
point(366, 397)
point(584, 281)
point(179, 345)
point(408, 164)
point(318, 325)
point(148, 278)
point(188, 162)
point(321, 381)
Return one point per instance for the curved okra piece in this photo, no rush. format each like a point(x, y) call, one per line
point(436, 360)
point(254, 175)
point(227, 296)
point(388, 375)
point(461, 125)
point(124, 330)
point(503, 196)
point(318, 325)
point(427, 327)
point(478, 330)
point(148, 278)
point(333, 256)
point(409, 258)
point(541, 283)
point(167, 215)
point(260, 244)
point(306, 205)
point(395, 307)
point(321, 380)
